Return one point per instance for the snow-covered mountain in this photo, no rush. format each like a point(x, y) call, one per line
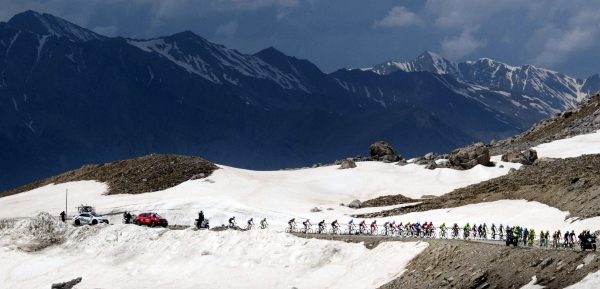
point(69, 96)
point(538, 89)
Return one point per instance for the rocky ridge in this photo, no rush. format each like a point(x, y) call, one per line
point(134, 176)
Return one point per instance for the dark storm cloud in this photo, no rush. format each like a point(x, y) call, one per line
point(558, 34)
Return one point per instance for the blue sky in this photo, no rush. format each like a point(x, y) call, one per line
point(563, 35)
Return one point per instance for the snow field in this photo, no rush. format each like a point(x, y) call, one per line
point(126, 256)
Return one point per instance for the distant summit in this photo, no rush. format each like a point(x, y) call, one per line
point(544, 90)
point(46, 24)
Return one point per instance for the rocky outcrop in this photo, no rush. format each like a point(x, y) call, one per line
point(382, 151)
point(354, 204)
point(570, 185)
point(347, 164)
point(583, 119)
point(134, 176)
point(431, 166)
point(526, 157)
point(468, 157)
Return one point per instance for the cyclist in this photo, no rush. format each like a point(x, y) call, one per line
point(250, 224)
point(399, 227)
point(362, 227)
point(393, 227)
point(385, 227)
point(321, 226)
point(485, 230)
point(572, 238)
point(466, 231)
point(430, 229)
point(455, 230)
point(232, 222)
point(335, 226)
point(263, 223)
point(292, 224)
point(566, 239)
point(350, 226)
point(306, 225)
point(493, 228)
point(443, 230)
point(374, 226)
point(531, 237)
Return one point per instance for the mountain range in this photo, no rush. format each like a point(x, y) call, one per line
point(70, 96)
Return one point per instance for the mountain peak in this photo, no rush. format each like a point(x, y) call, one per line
point(271, 51)
point(430, 55)
point(45, 24)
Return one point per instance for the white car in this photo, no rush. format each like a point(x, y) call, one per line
point(89, 219)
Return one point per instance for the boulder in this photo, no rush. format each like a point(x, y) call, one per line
point(354, 204)
point(382, 151)
point(526, 157)
point(347, 164)
point(431, 166)
point(390, 158)
point(315, 210)
point(429, 156)
point(466, 158)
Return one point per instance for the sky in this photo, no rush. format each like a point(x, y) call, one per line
point(562, 35)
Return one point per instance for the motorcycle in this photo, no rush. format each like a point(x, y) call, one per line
point(203, 226)
point(588, 243)
point(512, 240)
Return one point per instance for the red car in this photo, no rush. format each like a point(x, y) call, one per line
point(150, 219)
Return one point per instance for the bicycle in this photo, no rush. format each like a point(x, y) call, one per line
point(322, 230)
point(350, 230)
point(374, 230)
point(291, 229)
point(334, 231)
point(443, 234)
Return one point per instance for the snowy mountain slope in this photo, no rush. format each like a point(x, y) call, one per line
point(538, 89)
point(215, 63)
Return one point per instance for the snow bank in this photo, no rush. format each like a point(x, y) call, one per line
point(35, 233)
point(571, 147)
point(139, 257)
point(506, 212)
point(591, 281)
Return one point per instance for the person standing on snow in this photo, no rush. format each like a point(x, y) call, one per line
point(200, 219)
point(63, 216)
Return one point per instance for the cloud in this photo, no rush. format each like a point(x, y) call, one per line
point(555, 45)
point(227, 30)
point(109, 30)
point(399, 16)
point(462, 45)
point(255, 4)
